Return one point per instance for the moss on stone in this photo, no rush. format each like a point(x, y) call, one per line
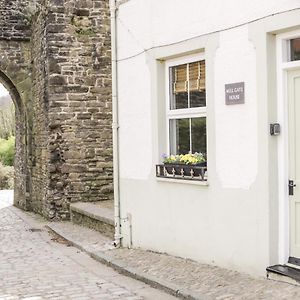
point(82, 26)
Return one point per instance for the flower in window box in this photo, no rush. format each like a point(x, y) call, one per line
point(171, 159)
point(194, 159)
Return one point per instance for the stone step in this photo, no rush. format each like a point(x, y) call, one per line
point(284, 273)
point(97, 215)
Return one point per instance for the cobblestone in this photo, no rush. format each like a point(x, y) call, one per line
point(202, 281)
point(34, 267)
point(211, 281)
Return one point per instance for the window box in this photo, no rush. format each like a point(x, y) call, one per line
point(180, 171)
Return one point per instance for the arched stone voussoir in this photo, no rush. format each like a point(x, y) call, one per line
point(10, 85)
point(17, 73)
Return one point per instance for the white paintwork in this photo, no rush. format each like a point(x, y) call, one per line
point(179, 113)
point(145, 24)
point(236, 125)
point(134, 119)
point(227, 222)
point(115, 126)
point(294, 159)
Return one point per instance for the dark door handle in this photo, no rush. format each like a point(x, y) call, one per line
point(291, 187)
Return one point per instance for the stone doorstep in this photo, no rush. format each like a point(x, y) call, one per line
point(284, 273)
point(281, 278)
point(98, 216)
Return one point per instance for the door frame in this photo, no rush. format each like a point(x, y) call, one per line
point(283, 66)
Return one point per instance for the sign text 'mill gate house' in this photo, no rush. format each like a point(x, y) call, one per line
point(235, 93)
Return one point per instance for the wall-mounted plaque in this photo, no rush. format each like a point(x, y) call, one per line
point(235, 93)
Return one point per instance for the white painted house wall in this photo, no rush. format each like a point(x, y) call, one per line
point(144, 24)
point(226, 223)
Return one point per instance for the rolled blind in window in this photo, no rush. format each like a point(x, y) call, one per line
point(180, 82)
point(197, 76)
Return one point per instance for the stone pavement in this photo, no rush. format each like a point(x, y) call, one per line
point(190, 280)
point(36, 265)
point(33, 265)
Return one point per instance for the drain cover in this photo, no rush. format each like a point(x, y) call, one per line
point(35, 229)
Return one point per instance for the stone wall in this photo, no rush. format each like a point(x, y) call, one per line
point(15, 19)
point(39, 133)
point(68, 111)
point(79, 96)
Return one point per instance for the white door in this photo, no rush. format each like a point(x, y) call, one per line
point(294, 160)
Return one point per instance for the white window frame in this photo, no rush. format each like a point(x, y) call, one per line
point(185, 113)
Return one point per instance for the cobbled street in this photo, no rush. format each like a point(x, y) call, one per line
point(35, 266)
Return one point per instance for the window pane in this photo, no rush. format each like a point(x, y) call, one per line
point(180, 101)
point(295, 49)
point(198, 99)
point(197, 84)
point(180, 136)
point(199, 135)
point(178, 87)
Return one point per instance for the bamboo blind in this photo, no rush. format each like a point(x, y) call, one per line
point(189, 77)
point(180, 79)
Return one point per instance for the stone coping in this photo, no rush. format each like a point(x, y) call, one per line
point(99, 211)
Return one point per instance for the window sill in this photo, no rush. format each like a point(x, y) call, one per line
point(182, 181)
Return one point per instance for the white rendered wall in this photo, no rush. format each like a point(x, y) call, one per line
point(135, 117)
point(144, 24)
point(227, 222)
point(236, 126)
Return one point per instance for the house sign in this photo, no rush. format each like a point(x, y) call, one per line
point(235, 93)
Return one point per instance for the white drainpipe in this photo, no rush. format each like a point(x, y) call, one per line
point(115, 126)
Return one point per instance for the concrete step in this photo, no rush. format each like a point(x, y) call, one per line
point(97, 215)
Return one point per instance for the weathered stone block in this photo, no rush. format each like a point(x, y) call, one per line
point(68, 168)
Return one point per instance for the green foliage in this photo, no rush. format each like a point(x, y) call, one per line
point(29, 12)
point(6, 177)
point(7, 120)
point(85, 31)
point(7, 151)
point(83, 26)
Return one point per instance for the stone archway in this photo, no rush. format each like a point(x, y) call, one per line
point(15, 76)
point(55, 61)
